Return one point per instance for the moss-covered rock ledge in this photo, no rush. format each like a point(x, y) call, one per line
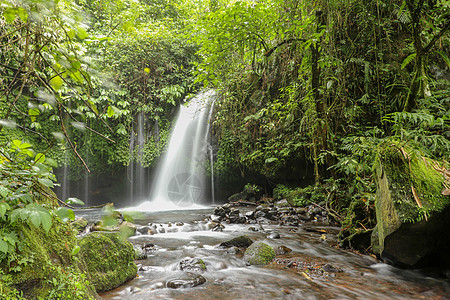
point(58, 265)
point(109, 258)
point(413, 216)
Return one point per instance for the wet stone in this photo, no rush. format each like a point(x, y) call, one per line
point(274, 235)
point(242, 241)
point(192, 265)
point(250, 214)
point(193, 281)
point(280, 250)
point(215, 218)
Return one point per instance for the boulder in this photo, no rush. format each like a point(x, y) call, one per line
point(192, 265)
point(413, 216)
point(259, 253)
point(109, 259)
point(79, 224)
point(42, 256)
point(126, 228)
point(186, 280)
point(242, 241)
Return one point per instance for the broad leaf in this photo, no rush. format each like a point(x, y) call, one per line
point(65, 214)
point(72, 201)
point(46, 182)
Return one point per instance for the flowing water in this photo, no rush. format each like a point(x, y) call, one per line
point(315, 268)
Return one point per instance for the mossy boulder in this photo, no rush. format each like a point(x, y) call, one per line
point(109, 259)
point(259, 253)
point(126, 228)
point(44, 266)
point(413, 216)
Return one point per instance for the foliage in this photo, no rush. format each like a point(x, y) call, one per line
point(25, 198)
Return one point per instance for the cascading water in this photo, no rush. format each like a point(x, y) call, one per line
point(180, 179)
point(135, 171)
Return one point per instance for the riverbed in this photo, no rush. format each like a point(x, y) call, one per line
point(309, 264)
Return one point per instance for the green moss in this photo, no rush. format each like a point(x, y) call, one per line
point(357, 225)
point(259, 253)
point(109, 258)
point(44, 267)
point(415, 171)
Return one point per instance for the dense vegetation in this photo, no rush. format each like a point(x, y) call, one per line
point(310, 92)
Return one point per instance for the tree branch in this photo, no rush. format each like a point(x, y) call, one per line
point(436, 37)
point(270, 51)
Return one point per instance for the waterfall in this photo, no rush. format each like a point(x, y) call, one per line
point(180, 180)
point(135, 171)
point(130, 168)
point(140, 172)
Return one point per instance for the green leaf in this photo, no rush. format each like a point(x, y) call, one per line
point(39, 158)
point(73, 201)
point(3, 246)
point(110, 111)
point(407, 60)
point(10, 15)
point(46, 182)
point(81, 33)
point(4, 207)
point(23, 15)
point(75, 250)
point(35, 218)
point(65, 214)
point(34, 112)
point(25, 198)
point(56, 82)
point(46, 221)
point(4, 191)
point(445, 58)
point(271, 159)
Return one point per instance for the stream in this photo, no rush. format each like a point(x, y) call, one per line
point(315, 268)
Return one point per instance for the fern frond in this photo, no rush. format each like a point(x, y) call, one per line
point(407, 60)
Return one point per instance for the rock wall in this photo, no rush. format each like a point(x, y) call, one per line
point(413, 216)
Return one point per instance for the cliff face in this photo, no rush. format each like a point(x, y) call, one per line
point(412, 214)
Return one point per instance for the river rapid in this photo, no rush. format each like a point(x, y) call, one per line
point(315, 268)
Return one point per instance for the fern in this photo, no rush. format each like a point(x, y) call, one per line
point(408, 60)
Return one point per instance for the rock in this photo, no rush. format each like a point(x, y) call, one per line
point(79, 224)
point(215, 218)
point(242, 241)
point(143, 229)
point(329, 268)
point(45, 255)
point(233, 250)
point(192, 265)
point(403, 235)
point(109, 259)
point(280, 250)
point(237, 197)
point(140, 253)
point(126, 228)
point(222, 211)
point(259, 253)
point(274, 235)
point(187, 281)
point(282, 203)
point(250, 214)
